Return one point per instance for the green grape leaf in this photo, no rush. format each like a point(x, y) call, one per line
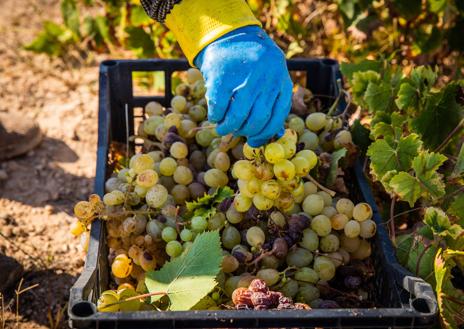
point(336, 157)
point(436, 5)
point(360, 83)
point(70, 15)
point(103, 29)
point(437, 220)
point(456, 208)
point(407, 96)
point(378, 97)
point(138, 17)
point(406, 187)
point(459, 167)
point(190, 277)
point(349, 69)
point(423, 77)
point(385, 157)
point(425, 163)
point(360, 135)
point(440, 115)
point(140, 41)
point(51, 40)
point(450, 298)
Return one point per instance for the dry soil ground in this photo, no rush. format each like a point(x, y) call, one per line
point(40, 188)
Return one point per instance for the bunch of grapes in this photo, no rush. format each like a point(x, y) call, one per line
point(282, 229)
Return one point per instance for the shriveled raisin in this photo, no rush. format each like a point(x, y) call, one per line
point(261, 298)
point(258, 285)
point(302, 306)
point(242, 296)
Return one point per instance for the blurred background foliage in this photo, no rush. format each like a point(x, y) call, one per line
point(404, 31)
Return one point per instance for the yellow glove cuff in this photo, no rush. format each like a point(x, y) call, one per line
point(197, 23)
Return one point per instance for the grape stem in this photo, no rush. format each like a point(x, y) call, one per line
point(138, 297)
point(323, 188)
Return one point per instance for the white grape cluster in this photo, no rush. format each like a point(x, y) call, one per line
point(280, 218)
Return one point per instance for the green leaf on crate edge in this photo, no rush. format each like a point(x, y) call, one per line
point(190, 277)
point(336, 157)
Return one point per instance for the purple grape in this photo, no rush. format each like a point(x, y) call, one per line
point(352, 282)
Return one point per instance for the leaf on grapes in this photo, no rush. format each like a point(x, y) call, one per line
point(459, 167)
point(407, 96)
point(406, 187)
point(222, 194)
point(378, 97)
point(385, 157)
point(450, 298)
point(335, 158)
point(457, 208)
point(206, 205)
point(440, 115)
point(205, 200)
point(190, 277)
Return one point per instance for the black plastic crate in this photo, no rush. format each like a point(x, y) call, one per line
point(407, 301)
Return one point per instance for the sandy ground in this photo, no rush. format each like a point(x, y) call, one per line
point(37, 196)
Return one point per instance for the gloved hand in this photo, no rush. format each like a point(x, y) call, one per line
point(248, 85)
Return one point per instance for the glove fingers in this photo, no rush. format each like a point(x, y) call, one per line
point(279, 114)
point(239, 108)
point(218, 97)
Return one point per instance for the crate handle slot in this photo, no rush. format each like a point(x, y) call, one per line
point(425, 301)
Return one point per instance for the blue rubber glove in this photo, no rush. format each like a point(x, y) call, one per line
point(248, 85)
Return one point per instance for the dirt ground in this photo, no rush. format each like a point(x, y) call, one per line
point(38, 190)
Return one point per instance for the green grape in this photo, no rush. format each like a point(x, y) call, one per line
point(310, 156)
point(222, 161)
point(264, 171)
point(252, 153)
point(339, 221)
point(147, 178)
point(253, 186)
point(345, 256)
point(345, 206)
point(342, 138)
point(290, 288)
point(198, 89)
point(321, 225)
point(199, 224)
point(244, 169)
point(197, 160)
point(329, 243)
point(307, 293)
point(269, 275)
point(299, 257)
point(172, 119)
point(150, 124)
point(187, 128)
point(242, 203)
point(285, 201)
point(142, 163)
point(274, 152)
point(368, 229)
point(229, 264)
point(297, 124)
point(215, 178)
point(289, 148)
point(147, 261)
point(309, 139)
point(270, 189)
point(167, 166)
point(173, 248)
point(278, 219)
point(156, 196)
point(231, 284)
point(290, 136)
point(194, 75)
point(140, 191)
point(255, 236)
point(217, 221)
point(324, 268)
point(364, 251)
point(362, 211)
point(329, 211)
point(129, 306)
point(245, 280)
point(230, 237)
point(261, 202)
point(243, 188)
point(237, 151)
point(114, 198)
point(309, 188)
point(349, 244)
point(326, 197)
point(154, 228)
point(121, 266)
point(301, 166)
point(181, 193)
point(179, 104)
point(313, 204)
point(212, 152)
point(157, 156)
point(160, 132)
point(183, 175)
point(316, 121)
point(204, 137)
point(197, 113)
point(186, 235)
point(284, 170)
point(233, 215)
point(112, 184)
point(154, 108)
point(108, 297)
point(298, 191)
point(169, 234)
point(310, 240)
point(352, 229)
point(306, 274)
point(270, 262)
point(178, 150)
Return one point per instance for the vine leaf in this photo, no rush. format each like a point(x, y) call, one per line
point(336, 157)
point(459, 167)
point(378, 96)
point(457, 208)
point(407, 96)
point(406, 187)
point(189, 277)
point(206, 205)
point(385, 157)
point(440, 224)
